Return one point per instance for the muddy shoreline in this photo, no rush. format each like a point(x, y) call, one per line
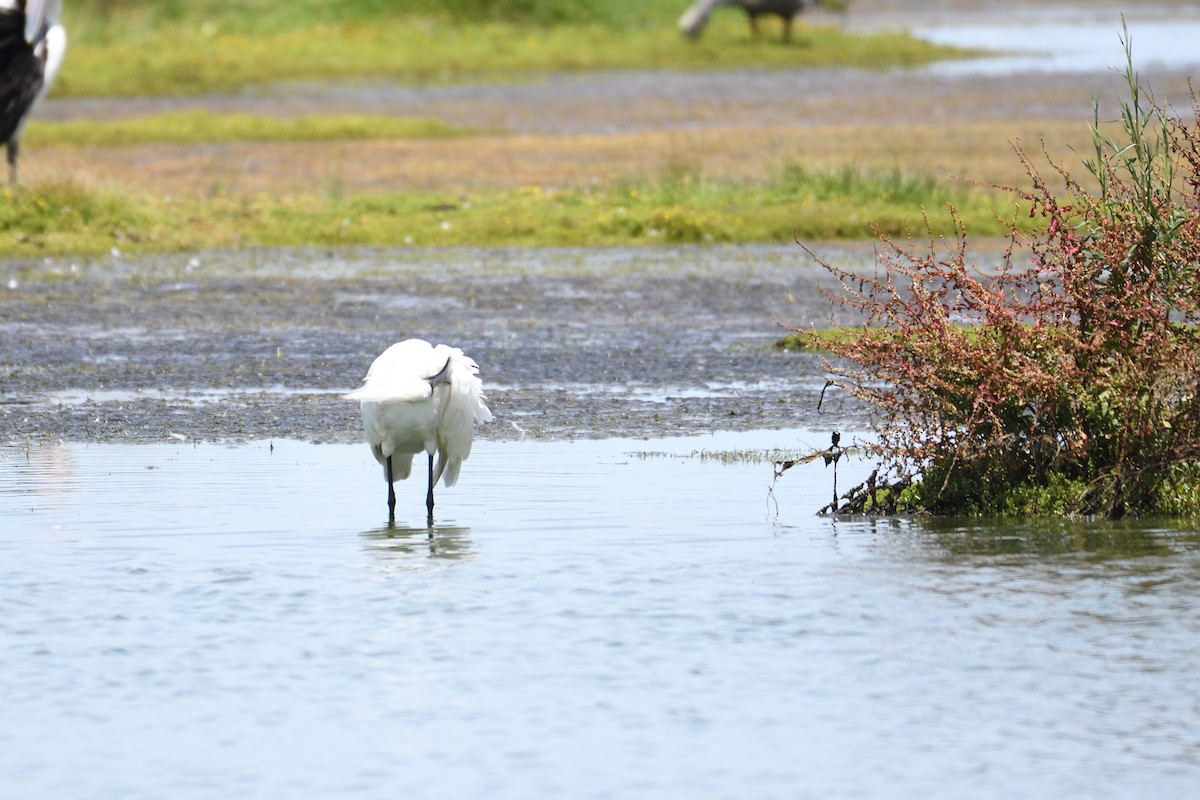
point(258, 344)
point(261, 344)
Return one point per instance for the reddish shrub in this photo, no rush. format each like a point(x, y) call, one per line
point(1062, 380)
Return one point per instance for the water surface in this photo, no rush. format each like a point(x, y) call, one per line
point(616, 618)
point(1054, 41)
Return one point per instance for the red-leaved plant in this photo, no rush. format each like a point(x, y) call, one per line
point(1062, 380)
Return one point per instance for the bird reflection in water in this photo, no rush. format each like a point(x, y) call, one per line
point(48, 471)
point(404, 544)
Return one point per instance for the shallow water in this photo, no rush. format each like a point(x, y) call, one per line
point(1057, 41)
point(616, 618)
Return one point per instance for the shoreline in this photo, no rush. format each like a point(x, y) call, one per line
point(625, 342)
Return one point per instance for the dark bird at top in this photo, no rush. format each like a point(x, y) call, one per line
point(695, 18)
point(32, 45)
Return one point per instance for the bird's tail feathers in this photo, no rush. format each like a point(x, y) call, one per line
point(447, 470)
point(463, 406)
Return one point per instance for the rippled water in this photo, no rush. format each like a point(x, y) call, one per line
point(590, 619)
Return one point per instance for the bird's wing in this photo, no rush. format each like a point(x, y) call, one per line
point(389, 389)
point(399, 374)
point(12, 25)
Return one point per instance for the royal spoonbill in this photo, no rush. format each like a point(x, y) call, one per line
point(417, 397)
point(696, 17)
point(32, 46)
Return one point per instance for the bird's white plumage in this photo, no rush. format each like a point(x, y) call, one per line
point(56, 51)
point(409, 405)
point(55, 44)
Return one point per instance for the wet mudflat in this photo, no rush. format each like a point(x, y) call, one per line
point(592, 342)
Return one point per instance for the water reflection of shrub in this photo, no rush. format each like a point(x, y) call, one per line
point(1106, 540)
point(1059, 384)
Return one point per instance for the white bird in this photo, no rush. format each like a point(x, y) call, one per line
point(32, 46)
point(417, 397)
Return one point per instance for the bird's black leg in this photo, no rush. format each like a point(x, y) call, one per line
point(391, 493)
point(429, 495)
point(13, 147)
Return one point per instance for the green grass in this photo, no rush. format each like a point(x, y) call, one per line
point(189, 47)
point(822, 340)
point(267, 16)
point(817, 340)
point(114, 17)
point(679, 208)
point(191, 127)
point(133, 52)
point(64, 217)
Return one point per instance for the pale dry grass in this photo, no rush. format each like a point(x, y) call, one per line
point(979, 151)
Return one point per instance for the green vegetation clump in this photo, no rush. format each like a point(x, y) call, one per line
point(67, 217)
point(1063, 384)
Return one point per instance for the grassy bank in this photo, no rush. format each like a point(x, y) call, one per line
point(166, 197)
point(68, 217)
point(191, 186)
point(270, 16)
point(162, 48)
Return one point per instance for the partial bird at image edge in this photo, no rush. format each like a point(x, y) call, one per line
point(32, 45)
